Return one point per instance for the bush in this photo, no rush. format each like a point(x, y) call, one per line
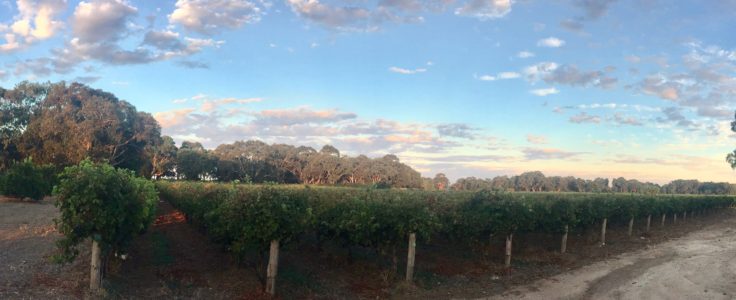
point(97, 201)
point(24, 179)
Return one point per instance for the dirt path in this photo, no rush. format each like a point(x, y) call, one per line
point(173, 260)
point(700, 265)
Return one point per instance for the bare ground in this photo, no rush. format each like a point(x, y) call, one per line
point(27, 236)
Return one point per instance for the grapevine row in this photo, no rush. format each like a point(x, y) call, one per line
point(252, 217)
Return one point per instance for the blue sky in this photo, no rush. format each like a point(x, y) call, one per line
point(591, 88)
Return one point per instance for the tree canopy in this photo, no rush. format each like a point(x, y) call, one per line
point(62, 124)
point(537, 182)
point(256, 161)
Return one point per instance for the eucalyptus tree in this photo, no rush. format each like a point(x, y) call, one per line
point(73, 122)
point(17, 105)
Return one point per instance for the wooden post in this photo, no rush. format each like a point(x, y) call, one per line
point(95, 269)
point(273, 268)
point(509, 239)
point(674, 218)
point(410, 257)
point(603, 232)
point(631, 226)
point(649, 222)
point(563, 246)
point(684, 216)
point(664, 217)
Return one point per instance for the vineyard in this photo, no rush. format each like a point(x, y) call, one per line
point(251, 219)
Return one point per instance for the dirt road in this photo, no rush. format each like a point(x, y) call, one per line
point(700, 265)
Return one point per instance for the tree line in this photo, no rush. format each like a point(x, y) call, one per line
point(258, 162)
point(536, 182)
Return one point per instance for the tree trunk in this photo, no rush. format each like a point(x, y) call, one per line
point(631, 226)
point(273, 268)
point(563, 245)
point(410, 257)
point(95, 269)
point(649, 222)
point(603, 232)
point(664, 217)
point(674, 218)
point(509, 239)
point(684, 216)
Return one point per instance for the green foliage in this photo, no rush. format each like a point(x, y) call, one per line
point(376, 218)
point(242, 216)
point(249, 216)
point(255, 217)
point(24, 179)
point(195, 164)
point(100, 202)
point(554, 212)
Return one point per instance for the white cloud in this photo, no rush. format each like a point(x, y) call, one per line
point(343, 18)
point(459, 130)
point(499, 76)
point(301, 115)
point(35, 21)
point(658, 85)
point(549, 154)
point(208, 17)
point(407, 71)
point(364, 16)
point(584, 117)
point(486, 78)
point(544, 92)
point(210, 105)
point(101, 21)
point(485, 9)
point(538, 71)
point(99, 28)
point(508, 75)
point(163, 40)
point(551, 42)
point(571, 75)
point(525, 54)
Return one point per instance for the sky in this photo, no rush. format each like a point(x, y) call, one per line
point(642, 89)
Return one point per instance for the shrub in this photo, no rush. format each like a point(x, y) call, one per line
point(24, 179)
point(97, 201)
